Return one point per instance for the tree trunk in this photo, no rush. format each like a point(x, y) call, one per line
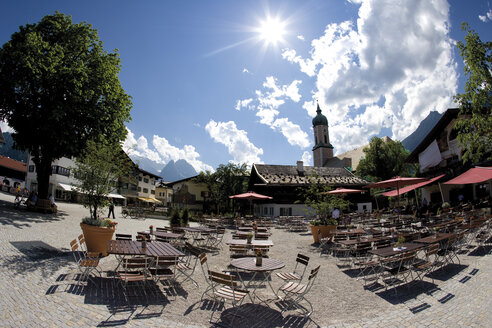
point(43, 173)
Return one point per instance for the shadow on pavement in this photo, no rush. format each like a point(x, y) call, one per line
point(20, 218)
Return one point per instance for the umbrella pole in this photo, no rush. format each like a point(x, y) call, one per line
point(440, 189)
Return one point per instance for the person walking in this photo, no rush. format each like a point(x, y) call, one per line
point(111, 208)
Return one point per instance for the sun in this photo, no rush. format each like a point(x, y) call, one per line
point(271, 30)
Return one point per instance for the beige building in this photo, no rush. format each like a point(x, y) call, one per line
point(189, 194)
point(352, 157)
point(164, 193)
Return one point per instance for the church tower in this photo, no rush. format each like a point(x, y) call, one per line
point(322, 150)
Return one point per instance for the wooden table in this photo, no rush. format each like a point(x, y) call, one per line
point(390, 251)
point(352, 242)
point(434, 239)
point(199, 235)
point(162, 234)
point(246, 233)
point(249, 264)
point(133, 247)
point(254, 242)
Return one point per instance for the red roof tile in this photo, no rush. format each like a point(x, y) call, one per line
point(13, 164)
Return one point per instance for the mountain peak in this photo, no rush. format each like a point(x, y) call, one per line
point(177, 170)
point(413, 140)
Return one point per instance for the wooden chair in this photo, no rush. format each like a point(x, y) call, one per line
point(86, 265)
point(296, 274)
point(225, 287)
point(135, 272)
point(186, 266)
point(122, 236)
point(295, 293)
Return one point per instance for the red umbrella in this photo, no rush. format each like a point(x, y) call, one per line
point(395, 182)
point(250, 195)
point(344, 191)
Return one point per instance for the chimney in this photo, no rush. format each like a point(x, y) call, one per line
point(300, 168)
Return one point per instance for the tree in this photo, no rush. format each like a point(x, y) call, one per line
point(58, 90)
point(97, 170)
point(317, 198)
point(475, 125)
point(227, 180)
point(384, 160)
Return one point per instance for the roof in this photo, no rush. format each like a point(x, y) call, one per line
point(284, 175)
point(13, 164)
point(182, 180)
point(148, 173)
point(320, 119)
point(446, 118)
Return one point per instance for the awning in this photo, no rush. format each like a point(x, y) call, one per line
point(412, 187)
point(66, 187)
point(116, 196)
point(149, 200)
point(474, 175)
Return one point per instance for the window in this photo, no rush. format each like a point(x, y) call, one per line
point(145, 190)
point(146, 180)
point(139, 178)
point(55, 169)
point(152, 192)
point(139, 189)
point(31, 168)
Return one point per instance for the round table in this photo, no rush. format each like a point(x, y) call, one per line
point(266, 269)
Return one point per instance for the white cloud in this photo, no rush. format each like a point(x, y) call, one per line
point(163, 151)
point(243, 103)
point(300, 37)
point(236, 141)
point(267, 103)
point(389, 69)
point(487, 17)
point(245, 70)
point(307, 158)
point(5, 127)
point(292, 132)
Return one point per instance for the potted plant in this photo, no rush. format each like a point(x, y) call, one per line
point(97, 171)
point(175, 218)
point(317, 199)
point(445, 207)
point(259, 257)
point(185, 218)
point(249, 237)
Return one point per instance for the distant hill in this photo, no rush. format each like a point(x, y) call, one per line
point(8, 150)
point(413, 140)
point(178, 170)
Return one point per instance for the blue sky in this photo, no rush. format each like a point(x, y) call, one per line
point(210, 85)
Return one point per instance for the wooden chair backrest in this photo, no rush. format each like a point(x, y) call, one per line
point(136, 262)
point(203, 258)
point(303, 259)
point(222, 278)
point(121, 236)
point(74, 245)
point(432, 249)
point(314, 272)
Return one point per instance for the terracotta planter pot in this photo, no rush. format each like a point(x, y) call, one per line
point(96, 238)
point(326, 230)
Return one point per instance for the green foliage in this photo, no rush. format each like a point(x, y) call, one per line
point(316, 197)
point(185, 217)
point(175, 218)
point(474, 127)
point(227, 180)
point(59, 89)
point(93, 221)
point(384, 160)
point(97, 171)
